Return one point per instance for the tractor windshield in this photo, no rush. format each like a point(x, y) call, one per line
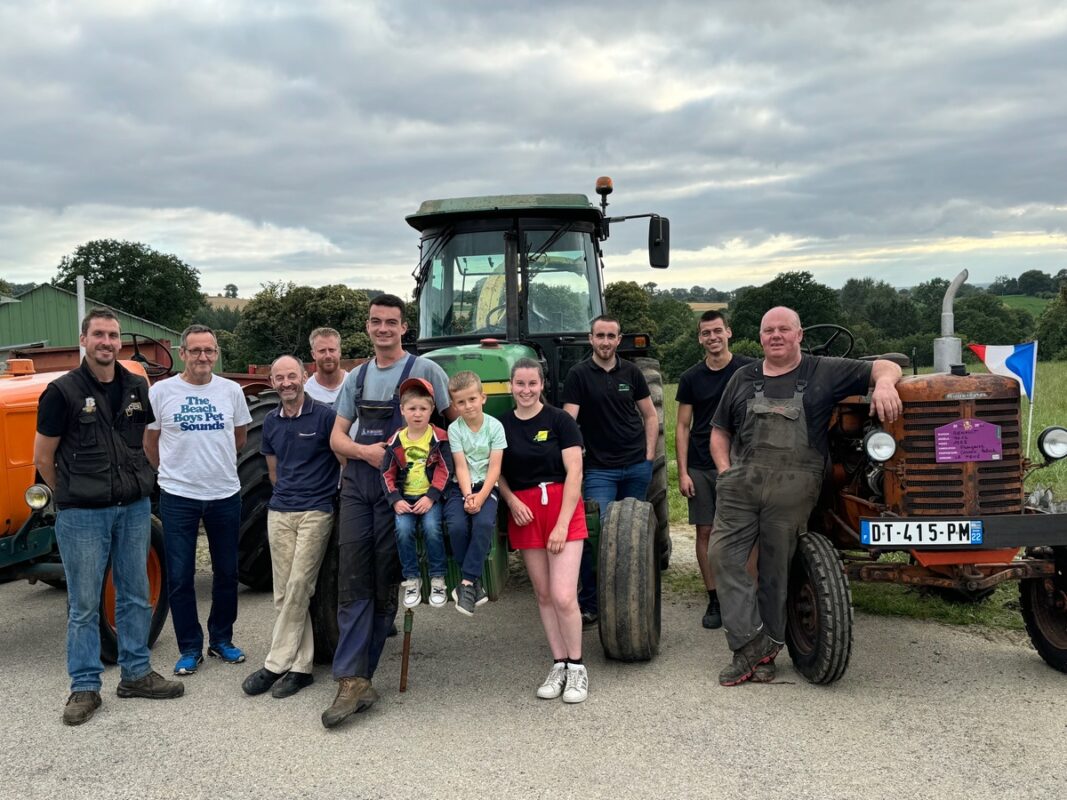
point(463, 292)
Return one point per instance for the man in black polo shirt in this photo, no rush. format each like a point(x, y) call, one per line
point(303, 469)
point(609, 398)
point(699, 390)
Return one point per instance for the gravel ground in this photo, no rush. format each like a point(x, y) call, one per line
point(924, 710)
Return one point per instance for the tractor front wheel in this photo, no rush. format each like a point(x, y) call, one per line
point(157, 598)
point(818, 611)
point(253, 548)
point(657, 487)
point(324, 602)
point(1044, 610)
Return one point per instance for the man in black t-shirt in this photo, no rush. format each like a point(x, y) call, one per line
point(88, 449)
point(699, 391)
point(769, 443)
point(610, 399)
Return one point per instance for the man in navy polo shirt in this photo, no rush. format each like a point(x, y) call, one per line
point(303, 469)
point(609, 398)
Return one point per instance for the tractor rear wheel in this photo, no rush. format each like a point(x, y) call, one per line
point(1044, 610)
point(157, 598)
point(657, 488)
point(628, 582)
point(324, 602)
point(818, 629)
point(253, 549)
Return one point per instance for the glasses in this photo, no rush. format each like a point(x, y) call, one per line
point(196, 352)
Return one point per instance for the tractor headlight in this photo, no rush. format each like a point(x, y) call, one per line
point(1053, 443)
point(38, 496)
point(879, 445)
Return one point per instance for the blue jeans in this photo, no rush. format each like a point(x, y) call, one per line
point(471, 535)
point(181, 524)
point(87, 538)
point(606, 486)
point(406, 525)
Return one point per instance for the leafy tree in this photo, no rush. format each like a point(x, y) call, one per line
point(983, 318)
point(673, 319)
point(218, 319)
point(813, 301)
point(280, 317)
point(231, 290)
point(880, 305)
point(631, 305)
point(928, 297)
point(1034, 282)
point(6, 288)
point(1060, 279)
point(1052, 328)
point(1002, 285)
point(134, 278)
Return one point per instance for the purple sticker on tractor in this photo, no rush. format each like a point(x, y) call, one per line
point(968, 440)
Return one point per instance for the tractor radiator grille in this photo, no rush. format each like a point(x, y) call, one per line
point(984, 487)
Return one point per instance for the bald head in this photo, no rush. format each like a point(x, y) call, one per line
point(287, 376)
point(780, 312)
point(286, 363)
point(780, 334)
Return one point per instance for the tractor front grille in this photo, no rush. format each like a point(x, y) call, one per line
point(925, 487)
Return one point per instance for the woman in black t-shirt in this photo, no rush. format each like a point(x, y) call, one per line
point(541, 481)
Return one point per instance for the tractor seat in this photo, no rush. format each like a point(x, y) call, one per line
point(899, 359)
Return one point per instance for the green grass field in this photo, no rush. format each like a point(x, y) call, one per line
point(1035, 305)
point(1002, 609)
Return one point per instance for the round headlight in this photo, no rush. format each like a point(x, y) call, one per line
point(879, 446)
point(1053, 443)
point(38, 496)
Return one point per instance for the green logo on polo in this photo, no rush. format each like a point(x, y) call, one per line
point(624, 387)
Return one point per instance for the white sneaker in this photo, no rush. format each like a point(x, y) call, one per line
point(577, 684)
point(554, 683)
point(438, 592)
point(412, 592)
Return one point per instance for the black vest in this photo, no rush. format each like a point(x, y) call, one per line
point(100, 460)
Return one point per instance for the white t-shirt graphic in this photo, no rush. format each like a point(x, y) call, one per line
point(197, 456)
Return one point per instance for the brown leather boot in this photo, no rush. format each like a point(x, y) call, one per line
point(353, 695)
point(80, 707)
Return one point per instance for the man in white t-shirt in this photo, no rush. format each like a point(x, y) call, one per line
point(200, 426)
point(325, 384)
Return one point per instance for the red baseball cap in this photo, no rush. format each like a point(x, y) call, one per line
point(420, 385)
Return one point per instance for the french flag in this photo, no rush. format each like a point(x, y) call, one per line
point(1013, 361)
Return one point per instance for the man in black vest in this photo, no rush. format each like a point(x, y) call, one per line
point(88, 449)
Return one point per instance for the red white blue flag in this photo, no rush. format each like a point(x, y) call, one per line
point(1013, 361)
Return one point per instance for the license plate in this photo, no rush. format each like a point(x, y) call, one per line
point(918, 533)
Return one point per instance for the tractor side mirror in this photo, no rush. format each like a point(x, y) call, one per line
point(659, 242)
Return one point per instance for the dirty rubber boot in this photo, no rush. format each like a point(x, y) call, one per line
point(353, 695)
point(760, 650)
point(764, 673)
point(739, 671)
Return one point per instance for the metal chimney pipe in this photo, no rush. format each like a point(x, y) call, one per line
point(948, 349)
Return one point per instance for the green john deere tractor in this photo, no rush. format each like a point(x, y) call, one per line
point(511, 276)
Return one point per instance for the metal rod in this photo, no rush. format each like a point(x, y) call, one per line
point(409, 618)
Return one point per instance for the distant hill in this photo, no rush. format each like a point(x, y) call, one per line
point(1035, 305)
point(236, 303)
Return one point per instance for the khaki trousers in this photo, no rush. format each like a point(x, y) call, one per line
point(298, 542)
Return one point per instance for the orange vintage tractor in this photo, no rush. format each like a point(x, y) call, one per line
point(28, 548)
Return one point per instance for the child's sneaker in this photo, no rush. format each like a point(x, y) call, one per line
point(464, 598)
point(577, 684)
point(480, 597)
point(438, 592)
point(412, 592)
point(554, 683)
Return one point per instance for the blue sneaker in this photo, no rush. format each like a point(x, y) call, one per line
point(188, 663)
point(227, 652)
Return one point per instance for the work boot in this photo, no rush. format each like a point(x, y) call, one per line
point(713, 614)
point(761, 649)
point(80, 707)
point(152, 686)
point(353, 695)
point(764, 673)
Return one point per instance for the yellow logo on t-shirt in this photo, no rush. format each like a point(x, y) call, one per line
point(542, 436)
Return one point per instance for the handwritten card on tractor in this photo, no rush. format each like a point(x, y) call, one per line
point(968, 440)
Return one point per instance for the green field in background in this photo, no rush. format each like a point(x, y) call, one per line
point(1035, 305)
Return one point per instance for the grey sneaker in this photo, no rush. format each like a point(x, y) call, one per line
point(465, 599)
point(153, 686)
point(412, 592)
point(80, 707)
point(577, 684)
point(438, 592)
point(554, 683)
point(481, 598)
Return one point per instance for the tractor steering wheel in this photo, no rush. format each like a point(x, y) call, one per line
point(152, 368)
point(489, 321)
point(826, 348)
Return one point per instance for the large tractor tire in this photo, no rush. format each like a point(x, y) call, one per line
point(819, 611)
point(157, 597)
point(1046, 618)
point(253, 549)
point(628, 582)
point(657, 489)
point(324, 602)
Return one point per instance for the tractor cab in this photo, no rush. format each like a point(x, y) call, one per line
point(522, 269)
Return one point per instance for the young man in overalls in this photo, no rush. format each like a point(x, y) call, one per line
point(769, 445)
point(368, 576)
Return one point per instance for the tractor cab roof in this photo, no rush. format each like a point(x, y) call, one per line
point(435, 213)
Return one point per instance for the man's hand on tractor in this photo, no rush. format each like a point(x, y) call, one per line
point(885, 401)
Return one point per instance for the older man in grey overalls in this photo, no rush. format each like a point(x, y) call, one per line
point(769, 444)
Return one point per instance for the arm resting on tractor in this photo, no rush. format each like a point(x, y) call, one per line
point(885, 401)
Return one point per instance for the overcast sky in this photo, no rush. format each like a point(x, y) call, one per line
point(287, 140)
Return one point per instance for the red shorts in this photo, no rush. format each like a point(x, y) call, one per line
point(534, 535)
